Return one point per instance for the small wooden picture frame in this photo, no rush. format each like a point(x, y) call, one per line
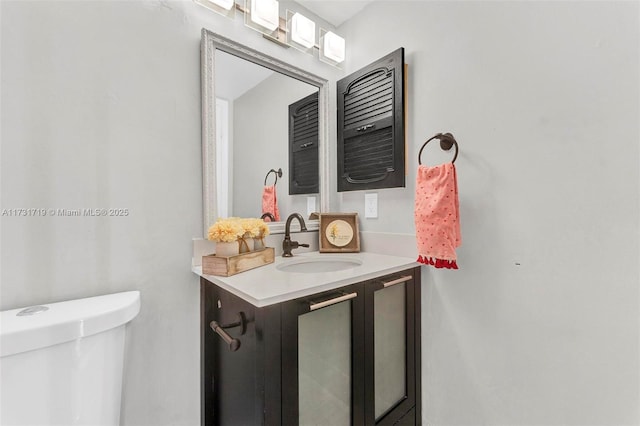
point(339, 233)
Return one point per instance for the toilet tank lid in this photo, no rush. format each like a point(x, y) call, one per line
point(65, 321)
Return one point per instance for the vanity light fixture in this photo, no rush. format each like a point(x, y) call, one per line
point(225, 4)
point(294, 30)
point(263, 13)
point(222, 7)
point(301, 30)
point(332, 47)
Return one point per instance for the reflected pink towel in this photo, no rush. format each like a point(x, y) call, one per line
point(269, 202)
point(437, 215)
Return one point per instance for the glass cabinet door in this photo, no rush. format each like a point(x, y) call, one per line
point(320, 362)
point(324, 366)
point(391, 340)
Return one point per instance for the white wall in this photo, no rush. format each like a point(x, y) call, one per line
point(100, 107)
point(540, 324)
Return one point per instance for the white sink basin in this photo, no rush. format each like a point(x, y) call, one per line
point(318, 264)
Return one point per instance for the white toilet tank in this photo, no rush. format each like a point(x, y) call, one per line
point(61, 364)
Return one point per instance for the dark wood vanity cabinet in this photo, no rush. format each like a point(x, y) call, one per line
point(349, 356)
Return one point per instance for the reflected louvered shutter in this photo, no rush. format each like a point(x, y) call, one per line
point(371, 126)
point(303, 146)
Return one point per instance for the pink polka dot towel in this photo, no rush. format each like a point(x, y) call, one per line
point(437, 216)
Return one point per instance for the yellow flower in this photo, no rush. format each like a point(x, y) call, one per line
point(233, 228)
point(225, 230)
point(256, 228)
point(334, 231)
point(264, 228)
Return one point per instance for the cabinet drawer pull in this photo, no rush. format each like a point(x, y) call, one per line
point(333, 301)
point(398, 281)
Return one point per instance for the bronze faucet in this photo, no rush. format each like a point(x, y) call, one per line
point(287, 244)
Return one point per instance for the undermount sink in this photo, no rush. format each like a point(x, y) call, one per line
point(318, 264)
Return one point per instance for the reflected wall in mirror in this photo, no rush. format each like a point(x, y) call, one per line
point(253, 137)
point(246, 99)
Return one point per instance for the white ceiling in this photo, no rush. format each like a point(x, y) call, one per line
point(335, 12)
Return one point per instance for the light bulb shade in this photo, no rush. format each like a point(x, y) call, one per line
point(265, 13)
point(225, 4)
point(303, 30)
point(222, 7)
point(333, 47)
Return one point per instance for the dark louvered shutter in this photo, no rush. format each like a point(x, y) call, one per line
point(371, 126)
point(303, 146)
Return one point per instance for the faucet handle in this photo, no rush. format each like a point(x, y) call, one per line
point(288, 245)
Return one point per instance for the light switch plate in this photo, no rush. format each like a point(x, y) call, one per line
point(371, 205)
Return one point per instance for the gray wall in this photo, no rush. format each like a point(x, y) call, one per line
point(100, 111)
point(540, 324)
point(100, 107)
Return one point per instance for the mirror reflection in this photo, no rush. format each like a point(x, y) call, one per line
point(233, 174)
point(262, 126)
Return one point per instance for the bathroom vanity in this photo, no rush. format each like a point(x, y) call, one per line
point(313, 339)
point(317, 339)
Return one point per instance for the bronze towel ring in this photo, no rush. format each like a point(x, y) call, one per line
point(446, 142)
point(277, 173)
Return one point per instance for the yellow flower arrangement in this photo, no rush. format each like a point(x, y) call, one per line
point(233, 228)
point(226, 230)
point(264, 228)
point(256, 228)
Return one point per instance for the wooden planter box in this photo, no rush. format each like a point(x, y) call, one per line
point(226, 266)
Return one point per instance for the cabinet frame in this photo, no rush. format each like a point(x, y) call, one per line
point(376, 127)
point(254, 388)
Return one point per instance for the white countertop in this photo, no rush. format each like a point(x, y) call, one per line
point(267, 285)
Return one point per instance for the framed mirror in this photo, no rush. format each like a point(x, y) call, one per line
point(246, 97)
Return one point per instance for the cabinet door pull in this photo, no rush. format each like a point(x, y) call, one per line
point(368, 180)
point(398, 281)
point(313, 306)
point(365, 127)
